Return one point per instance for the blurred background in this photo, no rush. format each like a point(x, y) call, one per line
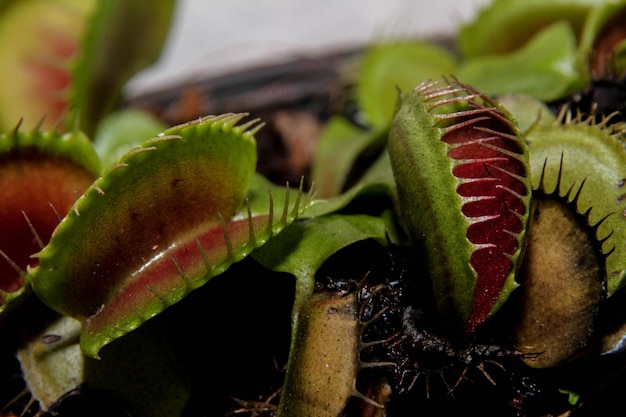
point(218, 36)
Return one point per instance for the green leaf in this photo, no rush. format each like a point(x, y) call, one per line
point(376, 184)
point(112, 52)
point(39, 41)
point(302, 248)
point(527, 110)
point(572, 397)
point(389, 66)
point(154, 227)
point(503, 26)
point(538, 69)
point(64, 55)
point(339, 146)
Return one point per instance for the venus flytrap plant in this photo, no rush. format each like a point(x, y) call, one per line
point(321, 376)
point(464, 190)
point(460, 178)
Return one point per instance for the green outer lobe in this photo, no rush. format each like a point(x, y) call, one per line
point(171, 188)
point(595, 156)
point(424, 178)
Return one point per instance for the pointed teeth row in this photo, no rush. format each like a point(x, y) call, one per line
point(571, 198)
point(566, 116)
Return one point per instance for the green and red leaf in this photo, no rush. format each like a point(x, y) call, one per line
point(155, 226)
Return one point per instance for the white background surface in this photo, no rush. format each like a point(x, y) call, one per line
point(214, 36)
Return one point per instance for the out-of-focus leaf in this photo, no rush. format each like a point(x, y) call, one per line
point(339, 146)
point(389, 66)
point(39, 44)
point(377, 183)
point(123, 37)
point(538, 69)
point(527, 110)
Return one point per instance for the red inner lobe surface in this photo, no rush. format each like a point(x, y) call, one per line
point(489, 166)
point(35, 186)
